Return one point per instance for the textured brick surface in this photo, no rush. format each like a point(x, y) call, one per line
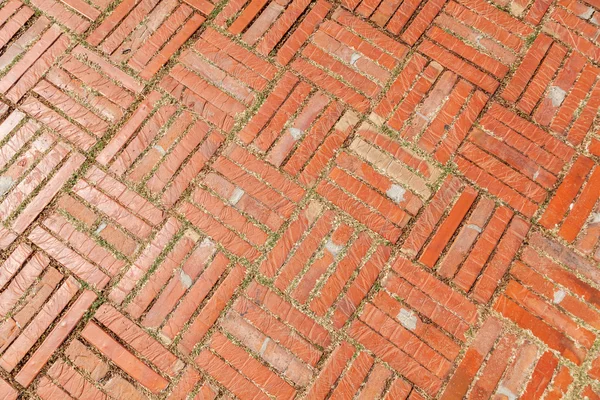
point(299, 199)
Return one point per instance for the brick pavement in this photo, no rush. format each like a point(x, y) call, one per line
point(299, 199)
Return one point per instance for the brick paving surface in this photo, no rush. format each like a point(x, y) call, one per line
point(299, 199)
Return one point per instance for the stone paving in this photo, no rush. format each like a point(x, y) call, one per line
point(299, 199)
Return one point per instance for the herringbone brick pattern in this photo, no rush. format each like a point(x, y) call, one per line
point(299, 199)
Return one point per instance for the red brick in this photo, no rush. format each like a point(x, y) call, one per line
point(211, 310)
point(135, 337)
point(395, 357)
point(332, 369)
point(230, 378)
point(71, 380)
point(25, 73)
point(123, 358)
point(68, 258)
point(475, 354)
point(85, 359)
point(448, 227)
point(542, 374)
point(55, 338)
point(299, 199)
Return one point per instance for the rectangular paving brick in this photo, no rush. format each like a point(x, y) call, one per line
point(299, 199)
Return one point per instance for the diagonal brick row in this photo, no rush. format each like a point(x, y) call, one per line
point(299, 199)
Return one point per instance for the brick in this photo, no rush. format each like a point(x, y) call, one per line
point(21, 282)
point(364, 199)
point(211, 310)
point(76, 17)
point(448, 227)
point(144, 261)
point(26, 72)
point(54, 339)
point(34, 172)
point(456, 64)
point(118, 386)
point(70, 380)
point(517, 373)
point(392, 212)
point(590, 393)
point(541, 376)
point(357, 372)
point(259, 374)
point(231, 379)
point(69, 258)
point(196, 80)
point(186, 384)
point(551, 336)
point(395, 357)
point(496, 365)
point(430, 306)
point(333, 368)
point(122, 358)
point(498, 265)
point(8, 391)
point(430, 217)
point(533, 179)
point(139, 340)
point(566, 25)
point(85, 359)
point(165, 41)
point(476, 353)
point(48, 390)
